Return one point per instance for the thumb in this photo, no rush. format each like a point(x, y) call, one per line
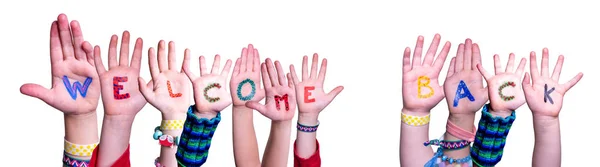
point(37, 91)
point(147, 92)
point(331, 95)
point(257, 106)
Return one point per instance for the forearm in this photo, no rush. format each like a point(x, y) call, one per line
point(278, 146)
point(412, 151)
point(116, 131)
point(167, 154)
point(306, 142)
point(547, 149)
point(465, 122)
point(245, 146)
point(81, 130)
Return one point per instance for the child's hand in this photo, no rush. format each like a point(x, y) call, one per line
point(168, 91)
point(280, 103)
point(420, 87)
point(120, 92)
point(245, 80)
point(310, 95)
point(545, 95)
point(464, 89)
point(75, 85)
point(210, 93)
point(505, 91)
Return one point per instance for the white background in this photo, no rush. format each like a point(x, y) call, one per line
point(363, 42)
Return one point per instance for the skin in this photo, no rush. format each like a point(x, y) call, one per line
point(67, 57)
point(275, 83)
point(157, 94)
point(308, 113)
point(245, 147)
point(547, 149)
point(412, 151)
point(118, 114)
point(499, 106)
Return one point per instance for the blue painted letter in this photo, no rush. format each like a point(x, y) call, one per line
point(462, 94)
point(249, 96)
point(77, 86)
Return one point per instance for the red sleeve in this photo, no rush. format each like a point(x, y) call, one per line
point(123, 161)
point(312, 161)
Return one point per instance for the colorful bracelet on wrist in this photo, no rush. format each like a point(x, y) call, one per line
point(79, 150)
point(488, 146)
point(305, 128)
point(74, 162)
point(171, 124)
point(448, 145)
point(195, 139)
point(415, 120)
point(164, 139)
point(440, 158)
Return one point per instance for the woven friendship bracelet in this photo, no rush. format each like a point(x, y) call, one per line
point(171, 124)
point(305, 128)
point(79, 150)
point(488, 146)
point(195, 139)
point(74, 162)
point(415, 120)
point(448, 145)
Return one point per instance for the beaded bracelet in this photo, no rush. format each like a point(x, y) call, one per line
point(448, 145)
point(304, 128)
point(444, 158)
point(195, 139)
point(79, 150)
point(74, 162)
point(164, 139)
point(415, 120)
point(157, 164)
point(488, 146)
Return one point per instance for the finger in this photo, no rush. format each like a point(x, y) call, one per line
point(406, 67)
point(136, 59)
point(510, 65)
point(573, 81)
point(476, 55)
point(152, 63)
point(146, 92)
point(124, 56)
point(272, 74)
point(257, 106)
point(314, 65)
point(483, 72)
point(37, 91)
point(78, 40)
point(236, 67)
point(162, 58)
point(203, 70)
point(451, 68)
point(432, 50)
point(305, 68)
point(186, 65)
point(172, 56)
point(293, 73)
point(89, 52)
point(216, 63)
point(256, 63)
point(337, 90)
point(64, 32)
point(545, 63)
point(460, 57)
point(250, 58)
point(527, 83)
point(56, 53)
point(418, 51)
point(558, 68)
point(226, 68)
point(521, 67)
point(244, 59)
point(280, 73)
point(290, 81)
point(98, 61)
point(497, 65)
point(468, 55)
point(322, 71)
point(533, 69)
point(265, 76)
point(112, 52)
point(439, 61)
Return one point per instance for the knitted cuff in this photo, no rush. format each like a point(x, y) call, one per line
point(195, 139)
point(490, 139)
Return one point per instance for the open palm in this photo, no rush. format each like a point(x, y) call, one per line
point(280, 102)
point(545, 95)
point(464, 89)
point(120, 92)
point(75, 85)
point(310, 95)
point(505, 91)
point(245, 80)
point(210, 94)
point(420, 87)
point(169, 89)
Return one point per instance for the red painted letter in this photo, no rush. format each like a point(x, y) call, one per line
point(117, 88)
point(307, 93)
point(283, 98)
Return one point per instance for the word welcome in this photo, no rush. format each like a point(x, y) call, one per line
point(77, 86)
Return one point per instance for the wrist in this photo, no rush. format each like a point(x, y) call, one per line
point(308, 119)
point(464, 121)
point(81, 128)
point(241, 108)
point(499, 112)
point(196, 111)
point(174, 115)
point(415, 112)
point(117, 120)
point(545, 120)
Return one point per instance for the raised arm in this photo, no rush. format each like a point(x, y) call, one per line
point(544, 97)
point(169, 92)
point(245, 86)
point(122, 100)
point(420, 93)
point(75, 89)
point(280, 107)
